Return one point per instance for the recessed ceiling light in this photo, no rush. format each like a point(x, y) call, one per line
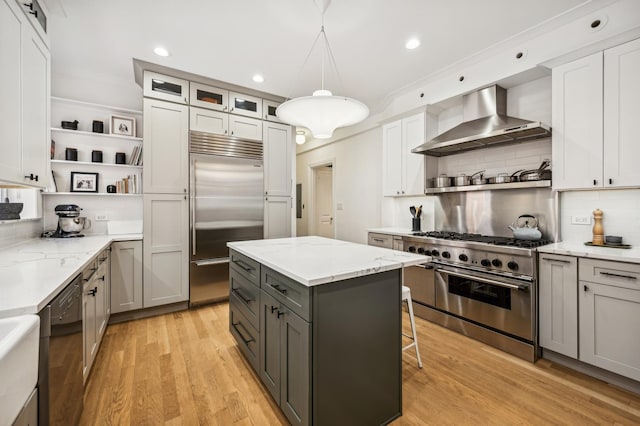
point(161, 51)
point(412, 43)
point(258, 78)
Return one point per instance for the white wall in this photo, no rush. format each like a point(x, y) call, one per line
point(621, 214)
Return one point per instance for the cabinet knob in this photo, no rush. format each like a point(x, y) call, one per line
point(224, 109)
point(595, 182)
point(610, 181)
point(403, 192)
point(231, 109)
point(398, 192)
point(232, 132)
point(586, 288)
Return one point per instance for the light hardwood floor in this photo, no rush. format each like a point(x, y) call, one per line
point(184, 369)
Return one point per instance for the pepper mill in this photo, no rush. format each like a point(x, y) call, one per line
point(598, 230)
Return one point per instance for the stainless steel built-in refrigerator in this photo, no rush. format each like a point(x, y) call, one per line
point(226, 193)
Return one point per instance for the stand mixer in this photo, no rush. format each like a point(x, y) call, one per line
point(70, 223)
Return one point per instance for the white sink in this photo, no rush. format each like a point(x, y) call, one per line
point(19, 344)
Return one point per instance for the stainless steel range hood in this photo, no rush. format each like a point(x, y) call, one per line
point(485, 123)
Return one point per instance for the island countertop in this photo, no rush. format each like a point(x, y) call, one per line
point(316, 260)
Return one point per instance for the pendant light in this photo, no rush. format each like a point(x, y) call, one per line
point(322, 112)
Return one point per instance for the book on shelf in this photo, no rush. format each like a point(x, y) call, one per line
point(135, 159)
point(129, 185)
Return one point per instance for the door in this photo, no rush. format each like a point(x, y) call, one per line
point(621, 112)
point(203, 120)
point(295, 367)
point(270, 346)
point(245, 128)
point(413, 134)
point(166, 256)
point(277, 217)
point(165, 87)
point(166, 150)
point(126, 276)
point(208, 97)
point(324, 202)
point(392, 158)
point(278, 143)
point(241, 104)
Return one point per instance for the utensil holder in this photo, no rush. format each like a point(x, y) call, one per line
point(415, 224)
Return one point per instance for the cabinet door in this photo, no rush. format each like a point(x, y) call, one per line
point(101, 312)
point(89, 327)
point(270, 344)
point(241, 104)
point(245, 128)
point(11, 23)
point(166, 147)
point(413, 134)
point(166, 241)
point(165, 88)
point(126, 276)
point(577, 123)
point(208, 97)
point(621, 112)
point(392, 158)
point(277, 146)
point(269, 110)
point(35, 106)
point(558, 294)
point(277, 217)
point(609, 328)
point(203, 120)
point(295, 368)
point(104, 261)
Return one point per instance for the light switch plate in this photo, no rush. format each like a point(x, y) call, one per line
point(581, 220)
point(102, 217)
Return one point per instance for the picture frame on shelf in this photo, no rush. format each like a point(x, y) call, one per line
point(84, 182)
point(122, 125)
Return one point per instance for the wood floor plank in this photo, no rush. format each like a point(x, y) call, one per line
point(184, 368)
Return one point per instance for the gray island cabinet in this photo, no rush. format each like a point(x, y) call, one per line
point(319, 321)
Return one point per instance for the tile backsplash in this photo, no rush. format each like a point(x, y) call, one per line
point(621, 214)
point(12, 232)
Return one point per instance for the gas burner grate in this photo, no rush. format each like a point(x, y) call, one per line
point(486, 239)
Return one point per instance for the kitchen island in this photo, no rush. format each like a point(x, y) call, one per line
point(319, 320)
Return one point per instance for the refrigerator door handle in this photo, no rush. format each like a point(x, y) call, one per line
point(192, 202)
point(207, 262)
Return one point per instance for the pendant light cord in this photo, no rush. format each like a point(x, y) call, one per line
point(327, 50)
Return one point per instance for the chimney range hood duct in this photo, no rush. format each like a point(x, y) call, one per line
point(485, 124)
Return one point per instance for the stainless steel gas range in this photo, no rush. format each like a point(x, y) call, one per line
point(481, 286)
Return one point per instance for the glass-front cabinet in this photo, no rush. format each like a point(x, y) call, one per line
point(209, 97)
point(166, 88)
point(269, 110)
point(241, 104)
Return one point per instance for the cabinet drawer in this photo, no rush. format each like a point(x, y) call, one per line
point(380, 240)
point(247, 296)
point(248, 268)
point(293, 295)
point(245, 334)
point(618, 274)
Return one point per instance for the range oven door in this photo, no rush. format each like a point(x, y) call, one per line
point(502, 303)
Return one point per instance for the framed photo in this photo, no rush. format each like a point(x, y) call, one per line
point(122, 125)
point(84, 182)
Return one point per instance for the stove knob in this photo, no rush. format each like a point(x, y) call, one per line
point(435, 252)
point(496, 262)
point(485, 262)
point(420, 250)
point(512, 265)
point(463, 257)
point(412, 249)
point(446, 254)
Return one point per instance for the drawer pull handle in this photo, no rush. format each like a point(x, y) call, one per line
point(93, 291)
point(280, 290)
point(244, 340)
point(610, 274)
point(103, 259)
point(586, 288)
point(556, 260)
point(243, 265)
point(93, 272)
point(101, 278)
point(380, 240)
point(280, 313)
point(239, 294)
point(273, 309)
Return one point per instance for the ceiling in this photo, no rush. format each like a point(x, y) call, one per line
point(233, 40)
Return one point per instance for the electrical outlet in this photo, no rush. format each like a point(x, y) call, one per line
point(102, 217)
point(581, 220)
point(339, 206)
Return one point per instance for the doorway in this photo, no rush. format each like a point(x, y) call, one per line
point(323, 218)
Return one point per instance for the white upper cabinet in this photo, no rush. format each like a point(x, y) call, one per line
point(277, 143)
point(245, 128)
point(269, 110)
point(24, 104)
point(204, 120)
point(402, 170)
point(204, 96)
point(595, 106)
point(241, 104)
point(166, 147)
point(621, 114)
point(165, 88)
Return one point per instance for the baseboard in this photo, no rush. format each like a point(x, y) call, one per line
point(148, 312)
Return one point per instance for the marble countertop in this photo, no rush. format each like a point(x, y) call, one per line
point(315, 260)
point(392, 231)
point(631, 255)
point(34, 271)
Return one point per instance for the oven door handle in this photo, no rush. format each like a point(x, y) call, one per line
point(485, 280)
point(425, 266)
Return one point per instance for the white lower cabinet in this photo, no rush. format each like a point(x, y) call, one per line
point(610, 316)
point(558, 295)
point(165, 249)
point(126, 276)
point(277, 217)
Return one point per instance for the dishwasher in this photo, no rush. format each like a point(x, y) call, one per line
point(60, 387)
